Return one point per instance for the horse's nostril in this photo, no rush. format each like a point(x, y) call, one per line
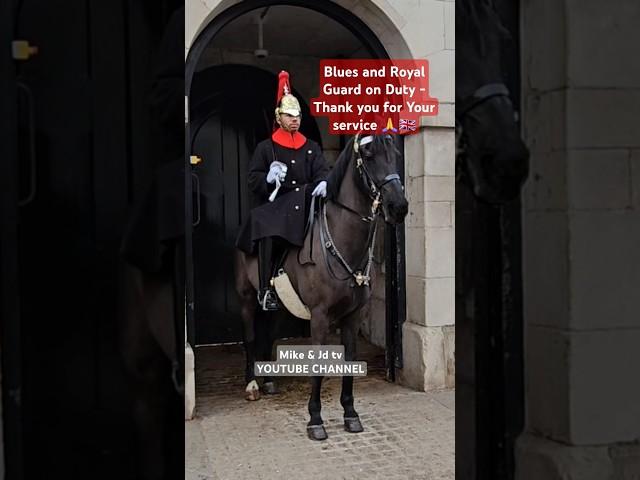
point(399, 210)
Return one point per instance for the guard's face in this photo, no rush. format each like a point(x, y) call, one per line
point(289, 122)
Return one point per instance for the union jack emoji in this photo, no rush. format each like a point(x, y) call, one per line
point(407, 125)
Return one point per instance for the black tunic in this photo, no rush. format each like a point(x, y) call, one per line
point(284, 217)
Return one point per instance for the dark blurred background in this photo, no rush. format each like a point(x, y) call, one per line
point(92, 141)
point(547, 324)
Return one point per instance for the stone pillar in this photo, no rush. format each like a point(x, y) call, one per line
point(428, 335)
point(581, 231)
point(428, 332)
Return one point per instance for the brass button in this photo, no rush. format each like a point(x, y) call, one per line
point(293, 182)
point(297, 189)
point(297, 207)
point(293, 161)
point(309, 152)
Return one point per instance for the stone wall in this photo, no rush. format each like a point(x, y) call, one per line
point(581, 230)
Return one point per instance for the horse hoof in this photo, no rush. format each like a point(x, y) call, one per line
point(353, 425)
point(269, 388)
point(252, 395)
point(317, 432)
point(252, 392)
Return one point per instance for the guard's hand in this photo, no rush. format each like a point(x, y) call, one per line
point(320, 190)
point(276, 170)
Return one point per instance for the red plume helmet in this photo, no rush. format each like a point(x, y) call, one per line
point(285, 102)
point(284, 87)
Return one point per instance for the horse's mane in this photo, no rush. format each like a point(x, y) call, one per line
point(334, 180)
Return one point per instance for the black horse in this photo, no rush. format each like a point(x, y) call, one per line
point(491, 167)
point(491, 157)
point(336, 286)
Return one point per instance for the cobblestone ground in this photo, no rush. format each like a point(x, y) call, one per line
point(408, 434)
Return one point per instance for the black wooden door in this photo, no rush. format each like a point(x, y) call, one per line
point(10, 348)
point(219, 212)
point(231, 111)
point(68, 240)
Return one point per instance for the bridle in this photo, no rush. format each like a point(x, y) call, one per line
point(361, 276)
point(375, 189)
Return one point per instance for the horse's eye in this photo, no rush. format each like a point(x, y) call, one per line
point(366, 151)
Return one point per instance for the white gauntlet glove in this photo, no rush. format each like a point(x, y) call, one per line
point(320, 190)
point(276, 170)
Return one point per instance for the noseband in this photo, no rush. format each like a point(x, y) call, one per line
point(481, 95)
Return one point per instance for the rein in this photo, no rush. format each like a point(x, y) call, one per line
point(361, 276)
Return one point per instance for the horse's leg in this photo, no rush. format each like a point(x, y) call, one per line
point(248, 312)
point(319, 330)
point(273, 327)
point(147, 372)
point(247, 299)
point(269, 386)
point(264, 343)
point(252, 390)
point(349, 333)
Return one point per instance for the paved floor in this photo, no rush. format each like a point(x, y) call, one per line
point(408, 434)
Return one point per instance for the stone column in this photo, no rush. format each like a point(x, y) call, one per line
point(581, 231)
point(428, 335)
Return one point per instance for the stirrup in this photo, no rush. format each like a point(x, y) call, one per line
point(268, 300)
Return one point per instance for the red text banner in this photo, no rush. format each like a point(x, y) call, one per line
point(377, 96)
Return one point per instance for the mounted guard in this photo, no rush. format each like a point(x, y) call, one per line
point(364, 185)
point(285, 171)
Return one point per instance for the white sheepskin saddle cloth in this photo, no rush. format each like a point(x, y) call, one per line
point(289, 297)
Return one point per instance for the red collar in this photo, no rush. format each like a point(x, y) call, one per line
point(288, 140)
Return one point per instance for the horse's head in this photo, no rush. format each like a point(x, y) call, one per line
point(376, 161)
point(495, 160)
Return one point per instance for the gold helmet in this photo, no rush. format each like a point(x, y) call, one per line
point(286, 103)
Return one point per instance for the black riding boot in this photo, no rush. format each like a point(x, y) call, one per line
point(267, 297)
